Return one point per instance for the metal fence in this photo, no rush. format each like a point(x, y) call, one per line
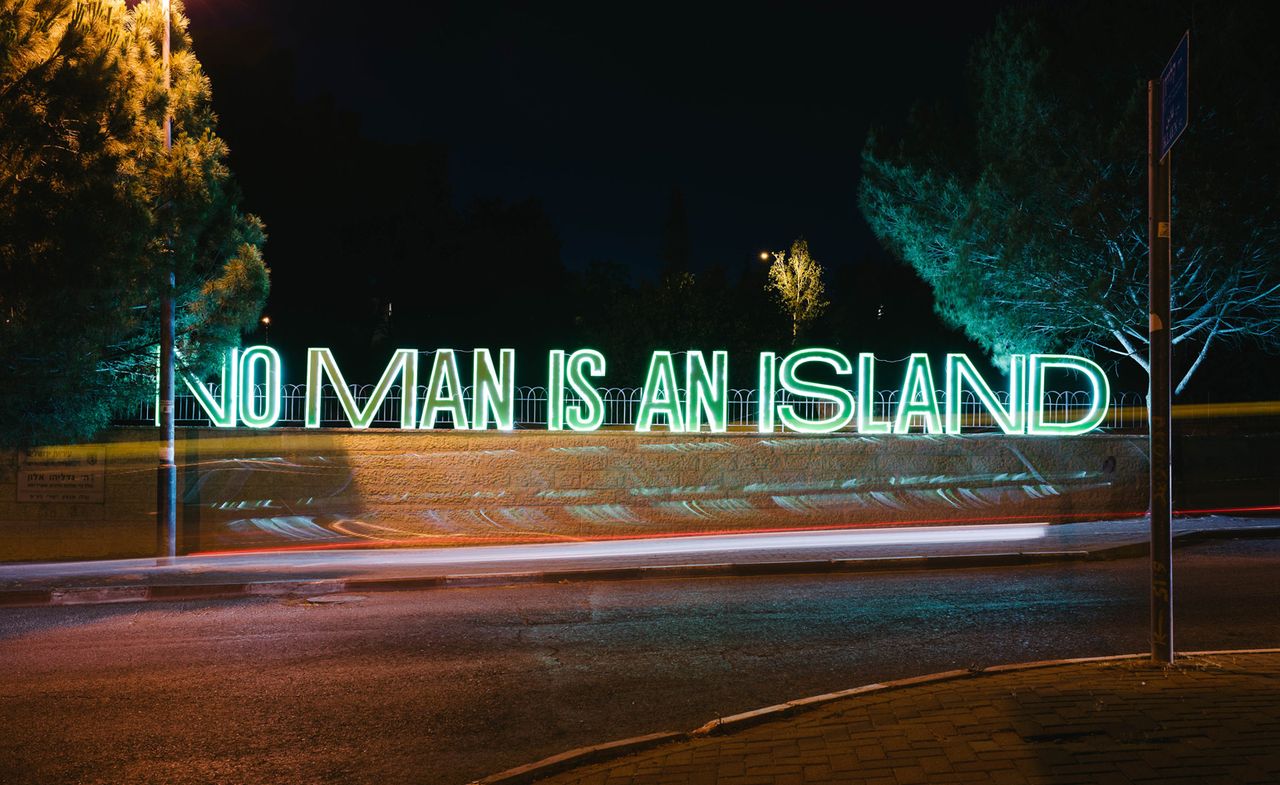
point(622, 404)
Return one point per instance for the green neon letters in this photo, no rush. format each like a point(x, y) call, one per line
point(444, 392)
point(1099, 399)
point(555, 390)
point(767, 392)
point(867, 423)
point(836, 400)
point(589, 414)
point(320, 363)
point(960, 370)
point(238, 388)
point(253, 357)
point(493, 391)
point(919, 398)
point(660, 395)
point(222, 412)
point(251, 393)
point(708, 392)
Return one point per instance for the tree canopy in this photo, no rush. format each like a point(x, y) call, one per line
point(93, 213)
point(795, 278)
point(1026, 209)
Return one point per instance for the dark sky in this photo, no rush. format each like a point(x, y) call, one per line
point(756, 112)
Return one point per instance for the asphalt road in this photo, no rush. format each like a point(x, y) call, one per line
point(446, 686)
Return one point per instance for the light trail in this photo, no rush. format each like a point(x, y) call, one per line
point(684, 545)
point(733, 543)
point(299, 563)
point(629, 551)
point(444, 540)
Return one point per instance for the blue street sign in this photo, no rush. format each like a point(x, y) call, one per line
point(1173, 96)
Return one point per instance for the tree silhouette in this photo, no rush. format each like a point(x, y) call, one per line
point(93, 214)
point(1027, 213)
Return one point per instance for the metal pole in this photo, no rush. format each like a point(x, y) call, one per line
point(1159, 242)
point(167, 471)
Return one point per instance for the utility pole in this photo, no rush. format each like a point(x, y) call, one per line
point(1166, 120)
point(1160, 348)
point(167, 470)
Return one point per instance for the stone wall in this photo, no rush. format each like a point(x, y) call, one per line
point(243, 488)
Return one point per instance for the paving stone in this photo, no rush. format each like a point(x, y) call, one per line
point(1206, 720)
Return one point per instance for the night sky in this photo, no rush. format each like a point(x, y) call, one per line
point(756, 112)
point(345, 127)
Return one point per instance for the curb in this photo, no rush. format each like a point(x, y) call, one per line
point(556, 764)
point(102, 595)
point(580, 757)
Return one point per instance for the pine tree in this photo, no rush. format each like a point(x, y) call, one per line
point(1027, 211)
point(93, 213)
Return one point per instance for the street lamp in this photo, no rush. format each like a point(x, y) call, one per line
point(167, 471)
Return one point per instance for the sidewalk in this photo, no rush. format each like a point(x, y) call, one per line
point(313, 572)
point(1213, 718)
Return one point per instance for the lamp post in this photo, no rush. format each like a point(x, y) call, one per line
point(167, 470)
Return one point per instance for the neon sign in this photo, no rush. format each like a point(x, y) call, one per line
point(688, 397)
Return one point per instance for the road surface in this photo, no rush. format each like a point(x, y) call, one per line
point(446, 686)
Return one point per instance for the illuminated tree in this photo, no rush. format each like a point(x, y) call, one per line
point(1027, 212)
point(796, 281)
point(93, 213)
